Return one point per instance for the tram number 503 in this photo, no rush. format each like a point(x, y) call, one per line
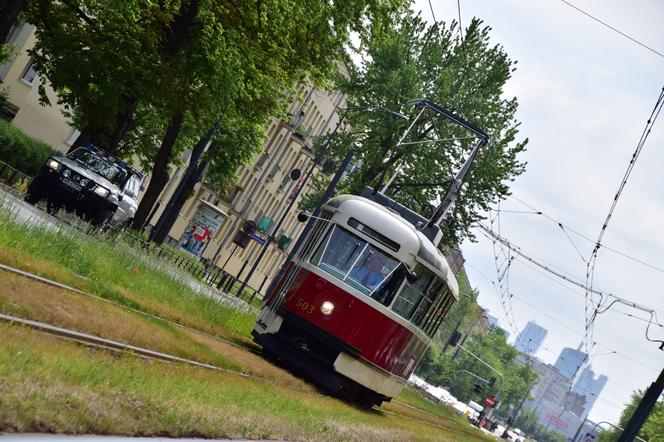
point(304, 305)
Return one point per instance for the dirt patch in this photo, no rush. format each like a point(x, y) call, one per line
point(35, 300)
point(253, 363)
point(38, 301)
point(25, 262)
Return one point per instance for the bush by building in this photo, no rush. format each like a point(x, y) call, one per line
point(21, 151)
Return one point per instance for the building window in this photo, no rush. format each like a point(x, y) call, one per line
point(275, 171)
point(262, 160)
point(29, 75)
point(73, 136)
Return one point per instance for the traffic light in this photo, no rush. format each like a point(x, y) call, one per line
point(492, 381)
point(478, 388)
point(242, 239)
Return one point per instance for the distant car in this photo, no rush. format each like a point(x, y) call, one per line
point(516, 435)
point(95, 185)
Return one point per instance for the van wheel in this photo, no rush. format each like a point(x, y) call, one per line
point(101, 217)
point(34, 193)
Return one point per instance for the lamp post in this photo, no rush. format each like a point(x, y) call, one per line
point(326, 196)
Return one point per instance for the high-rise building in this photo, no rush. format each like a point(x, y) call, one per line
point(590, 386)
point(570, 361)
point(530, 338)
point(556, 406)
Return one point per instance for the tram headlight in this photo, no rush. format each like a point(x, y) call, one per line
point(327, 308)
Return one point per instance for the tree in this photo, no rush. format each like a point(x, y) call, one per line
point(653, 428)
point(492, 348)
point(191, 62)
point(99, 58)
point(407, 59)
point(462, 314)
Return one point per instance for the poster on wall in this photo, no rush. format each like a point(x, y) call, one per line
point(201, 229)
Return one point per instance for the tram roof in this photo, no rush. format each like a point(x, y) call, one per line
point(389, 222)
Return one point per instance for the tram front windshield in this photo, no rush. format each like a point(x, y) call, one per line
point(353, 260)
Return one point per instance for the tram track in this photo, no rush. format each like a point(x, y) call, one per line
point(146, 353)
point(59, 285)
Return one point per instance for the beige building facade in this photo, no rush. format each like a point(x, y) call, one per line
point(21, 81)
point(262, 192)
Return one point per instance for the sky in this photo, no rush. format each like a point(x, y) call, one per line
point(585, 93)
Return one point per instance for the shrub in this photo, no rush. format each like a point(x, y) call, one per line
point(21, 151)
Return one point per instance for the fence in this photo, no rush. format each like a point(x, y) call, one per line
point(12, 177)
point(210, 275)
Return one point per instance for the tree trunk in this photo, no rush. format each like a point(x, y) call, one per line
point(83, 139)
point(9, 10)
point(123, 123)
point(190, 180)
point(159, 176)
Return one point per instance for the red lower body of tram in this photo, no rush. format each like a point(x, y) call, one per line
point(361, 351)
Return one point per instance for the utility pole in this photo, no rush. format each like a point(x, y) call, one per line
point(643, 410)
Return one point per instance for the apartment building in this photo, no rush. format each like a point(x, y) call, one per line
point(263, 192)
point(21, 81)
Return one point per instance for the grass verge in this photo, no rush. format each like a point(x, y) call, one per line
point(54, 386)
point(108, 267)
point(48, 385)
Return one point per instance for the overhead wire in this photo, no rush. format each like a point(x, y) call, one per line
point(569, 327)
point(501, 286)
point(612, 28)
point(580, 294)
point(432, 13)
point(492, 236)
point(567, 228)
point(590, 304)
point(460, 27)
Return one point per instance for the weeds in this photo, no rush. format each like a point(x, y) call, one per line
point(113, 269)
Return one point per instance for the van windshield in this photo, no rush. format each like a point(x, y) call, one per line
point(353, 260)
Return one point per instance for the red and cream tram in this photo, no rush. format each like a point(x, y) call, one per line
point(359, 304)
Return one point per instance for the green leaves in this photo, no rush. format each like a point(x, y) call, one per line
point(405, 59)
point(653, 428)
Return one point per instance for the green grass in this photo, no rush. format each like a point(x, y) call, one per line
point(111, 268)
point(55, 386)
point(47, 385)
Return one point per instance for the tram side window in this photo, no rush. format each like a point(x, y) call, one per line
point(411, 295)
point(430, 296)
point(440, 310)
point(316, 232)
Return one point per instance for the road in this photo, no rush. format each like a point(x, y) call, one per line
point(26, 212)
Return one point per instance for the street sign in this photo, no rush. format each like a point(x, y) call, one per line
point(257, 238)
point(490, 401)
